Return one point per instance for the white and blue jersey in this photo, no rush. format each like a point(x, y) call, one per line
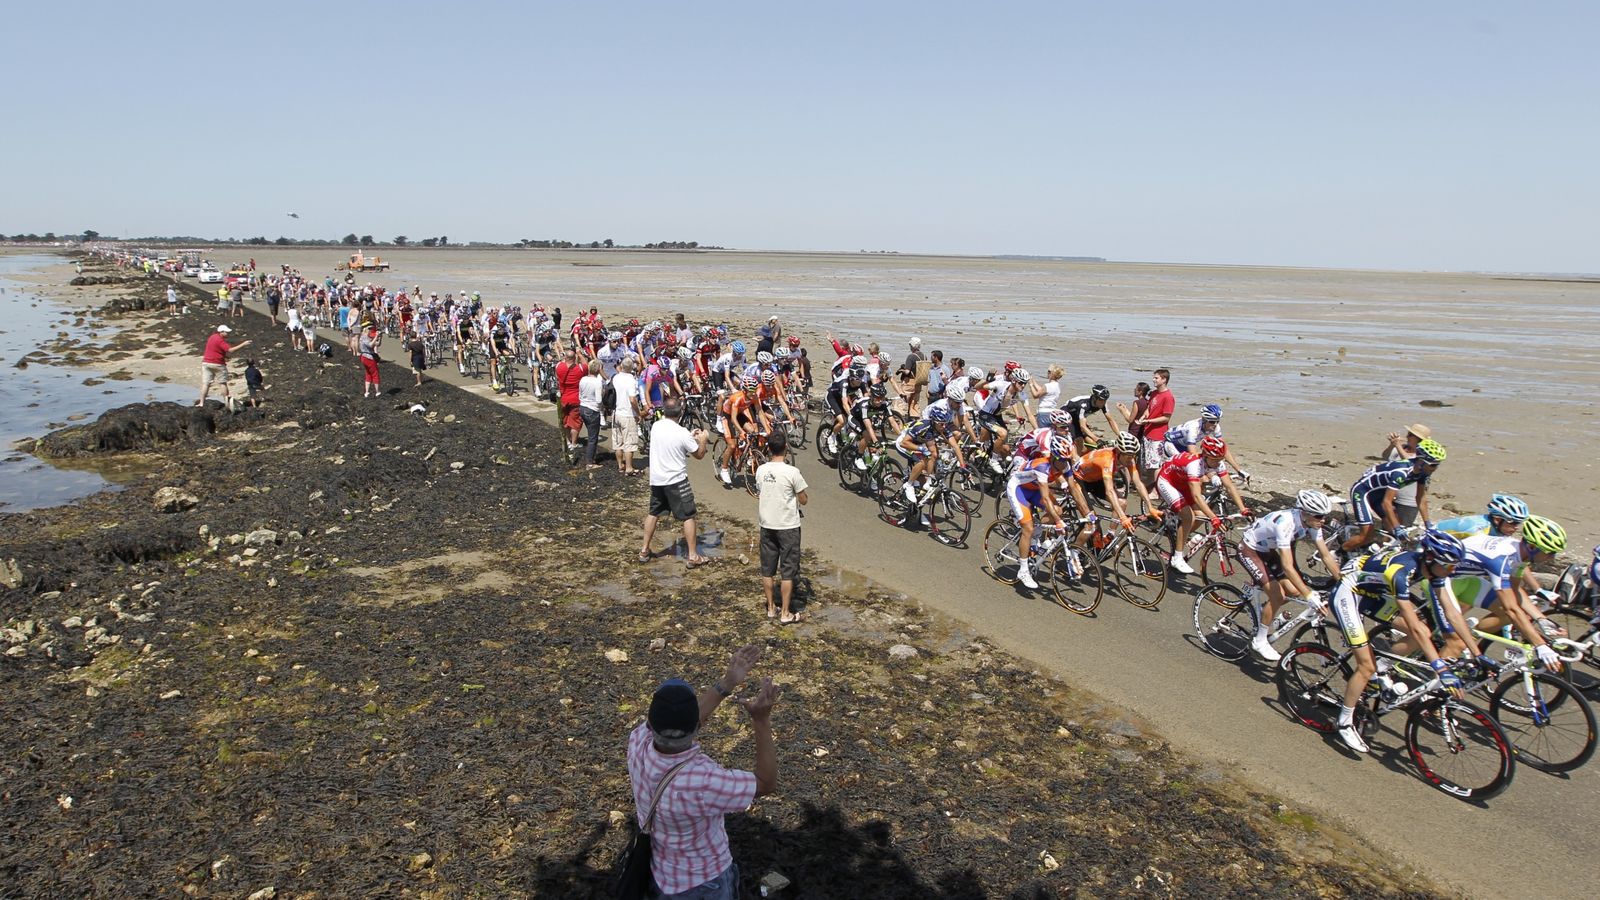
point(1493, 561)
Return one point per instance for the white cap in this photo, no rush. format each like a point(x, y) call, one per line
point(223, 329)
point(916, 343)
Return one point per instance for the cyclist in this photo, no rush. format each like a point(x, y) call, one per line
point(1487, 577)
point(868, 411)
point(1267, 550)
point(916, 442)
point(840, 375)
point(770, 396)
point(1372, 496)
point(1503, 516)
point(461, 324)
point(1178, 486)
point(1079, 410)
point(741, 416)
point(725, 372)
point(1379, 585)
point(1096, 471)
point(1028, 489)
point(1003, 393)
point(499, 348)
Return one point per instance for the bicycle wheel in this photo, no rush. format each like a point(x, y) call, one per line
point(1139, 573)
point(799, 427)
point(1321, 632)
point(878, 472)
point(754, 458)
point(950, 518)
point(1000, 550)
point(1458, 749)
point(1226, 566)
point(893, 507)
point(851, 477)
point(1224, 621)
point(1549, 723)
point(827, 444)
point(1311, 682)
point(1077, 582)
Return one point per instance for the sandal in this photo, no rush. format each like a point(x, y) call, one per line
point(792, 619)
point(645, 556)
point(696, 563)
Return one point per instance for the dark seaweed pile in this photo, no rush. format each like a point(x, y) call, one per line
point(372, 660)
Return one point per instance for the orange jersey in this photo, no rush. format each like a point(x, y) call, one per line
point(1098, 465)
point(737, 403)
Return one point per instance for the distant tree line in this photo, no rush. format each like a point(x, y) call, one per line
point(350, 240)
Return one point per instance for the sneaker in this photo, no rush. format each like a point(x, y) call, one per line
point(1352, 738)
point(995, 465)
point(1025, 576)
point(726, 478)
point(1180, 564)
point(911, 492)
point(861, 464)
point(461, 369)
point(1264, 649)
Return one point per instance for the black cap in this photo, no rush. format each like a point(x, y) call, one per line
point(674, 708)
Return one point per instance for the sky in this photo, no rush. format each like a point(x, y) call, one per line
point(1418, 135)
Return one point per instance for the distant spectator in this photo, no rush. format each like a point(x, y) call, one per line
point(1141, 402)
point(419, 355)
point(1047, 394)
point(767, 334)
point(568, 373)
point(783, 492)
point(938, 376)
point(671, 445)
point(625, 418)
point(172, 300)
point(214, 364)
point(1157, 415)
point(590, 387)
point(690, 857)
point(274, 298)
point(253, 382)
point(371, 385)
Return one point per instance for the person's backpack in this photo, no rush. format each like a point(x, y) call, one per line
point(608, 398)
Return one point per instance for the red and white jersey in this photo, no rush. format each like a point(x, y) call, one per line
point(1186, 468)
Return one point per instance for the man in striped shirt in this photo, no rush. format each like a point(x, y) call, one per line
point(690, 856)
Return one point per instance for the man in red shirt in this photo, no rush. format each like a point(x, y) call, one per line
point(569, 372)
point(214, 364)
point(1157, 415)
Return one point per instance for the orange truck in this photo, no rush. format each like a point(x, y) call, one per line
point(361, 263)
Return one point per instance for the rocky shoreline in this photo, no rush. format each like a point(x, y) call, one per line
point(331, 647)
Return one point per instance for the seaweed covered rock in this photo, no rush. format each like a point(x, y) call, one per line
point(137, 426)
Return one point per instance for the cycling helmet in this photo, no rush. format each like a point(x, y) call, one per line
point(883, 360)
point(855, 350)
point(764, 358)
point(1011, 366)
point(769, 377)
point(780, 353)
point(975, 373)
point(880, 391)
point(1211, 445)
point(794, 341)
point(705, 331)
point(955, 395)
point(1020, 376)
point(858, 369)
point(939, 415)
point(684, 353)
point(1544, 535)
point(1505, 506)
point(1061, 420)
point(750, 383)
point(916, 343)
point(633, 323)
point(1060, 447)
point(1430, 451)
point(1100, 392)
point(1212, 413)
point(1314, 503)
point(738, 348)
point(614, 336)
point(722, 331)
point(1443, 547)
point(1127, 443)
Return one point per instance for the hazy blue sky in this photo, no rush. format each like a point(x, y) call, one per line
point(1397, 135)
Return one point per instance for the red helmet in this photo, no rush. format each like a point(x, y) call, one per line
point(1011, 366)
point(634, 322)
point(855, 350)
point(1211, 445)
point(794, 340)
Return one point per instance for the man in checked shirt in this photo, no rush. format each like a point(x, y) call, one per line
point(690, 857)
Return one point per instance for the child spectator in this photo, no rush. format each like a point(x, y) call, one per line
point(252, 382)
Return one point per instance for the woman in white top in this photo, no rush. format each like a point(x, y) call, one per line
point(1049, 393)
point(590, 387)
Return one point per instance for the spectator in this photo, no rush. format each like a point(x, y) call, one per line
point(938, 376)
point(625, 419)
point(1405, 447)
point(768, 334)
point(783, 492)
point(419, 355)
point(1141, 402)
point(214, 364)
point(1157, 415)
point(568, 373)
point(689, 839)
point(253, 382)
point(1049, 393)
point(371, 386)
point(671, 445)
point(590, 387)
point(274, 298)
point(294, 327)
point(172, 298)
point(682, 331)
point(308, 331)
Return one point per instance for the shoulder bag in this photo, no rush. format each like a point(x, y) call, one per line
point(634, 882)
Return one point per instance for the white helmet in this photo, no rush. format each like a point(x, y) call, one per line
point(1313, 503)
point(975, 373)
point(1127, 443)
point(955, 395)
point(916, 343)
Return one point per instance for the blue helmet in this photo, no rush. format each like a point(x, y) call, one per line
point(1212, 413)
point(1443, 547)
point(1506, 506)
point(939, 415)
point(738, 348)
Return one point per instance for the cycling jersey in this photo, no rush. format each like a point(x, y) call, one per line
point(956, 409)
point(1184, 436)
point(1381, 477)
point(1024, 487)
point(1466, 526)
point(1277, 530)
point(1374, 585)
point(999, 392)
point(920, 434)
point(1097, 465)
point(1490, 565)
point(1177, 473)
point(1034, 443)
point(739, 406)
point(1079, 409)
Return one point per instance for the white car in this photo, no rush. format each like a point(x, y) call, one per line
point(210, 276)
point(191, 271)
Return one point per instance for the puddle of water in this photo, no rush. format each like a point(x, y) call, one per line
point(708, 541)
point(612, 590)
point(33, 399)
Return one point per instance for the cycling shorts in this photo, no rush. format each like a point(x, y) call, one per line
point(1264, 566)
point(1171, 497)
point(990, 421)
point(1025, 498)
point(835, 400)
point(1364, 504)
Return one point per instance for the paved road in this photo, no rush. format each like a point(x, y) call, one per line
point(1148, 663)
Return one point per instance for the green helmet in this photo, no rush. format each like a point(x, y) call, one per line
point(1544, 535)
point(1430, 451)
